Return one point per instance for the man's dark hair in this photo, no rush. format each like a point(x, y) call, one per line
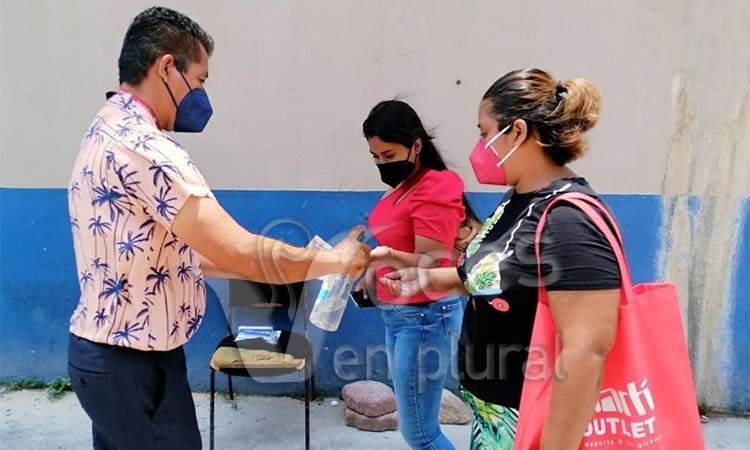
point(159, 31)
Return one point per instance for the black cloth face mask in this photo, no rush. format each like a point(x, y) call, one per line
point(394, 173)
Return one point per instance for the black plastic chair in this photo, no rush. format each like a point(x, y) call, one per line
point(248, 294)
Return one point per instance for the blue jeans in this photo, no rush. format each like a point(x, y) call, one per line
point(420, 342)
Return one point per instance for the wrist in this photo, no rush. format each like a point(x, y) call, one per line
point(444, 279)
point(324, 262)
point(338, 263)
point(432, 280)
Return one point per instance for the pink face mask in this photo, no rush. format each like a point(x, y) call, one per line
point(487, 165)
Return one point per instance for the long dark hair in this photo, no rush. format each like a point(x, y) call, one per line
point(396, 122)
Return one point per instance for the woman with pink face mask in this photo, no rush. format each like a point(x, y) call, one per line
point(531, 126)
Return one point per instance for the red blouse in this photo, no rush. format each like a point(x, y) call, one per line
point(430, 206)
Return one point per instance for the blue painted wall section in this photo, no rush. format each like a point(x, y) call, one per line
point(739, 370)
point(38, 287)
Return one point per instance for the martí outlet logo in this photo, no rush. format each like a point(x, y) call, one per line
point(623, 418)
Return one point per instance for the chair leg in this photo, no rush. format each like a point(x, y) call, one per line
point(212, 396)
point(231, 388)
point(308, 398)
point(313, 390)
point(309, 392)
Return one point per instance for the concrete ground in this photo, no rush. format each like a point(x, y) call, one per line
point(30, 421)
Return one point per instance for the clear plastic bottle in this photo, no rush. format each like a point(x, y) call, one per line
point(333, 295)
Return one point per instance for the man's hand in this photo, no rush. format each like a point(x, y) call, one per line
point(354, 256)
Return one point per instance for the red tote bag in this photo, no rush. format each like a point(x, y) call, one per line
point(647, 399)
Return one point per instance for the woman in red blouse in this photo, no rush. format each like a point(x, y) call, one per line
point(415, 223)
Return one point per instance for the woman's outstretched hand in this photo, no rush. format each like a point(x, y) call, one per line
point(407, 282)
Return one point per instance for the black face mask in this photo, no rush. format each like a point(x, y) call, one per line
point(394, 173)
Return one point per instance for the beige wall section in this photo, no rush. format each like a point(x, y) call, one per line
point(708, 156)
point(291, 81)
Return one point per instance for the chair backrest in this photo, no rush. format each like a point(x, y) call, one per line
point(251, 294)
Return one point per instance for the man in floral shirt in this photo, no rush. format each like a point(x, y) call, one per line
point(146, 228)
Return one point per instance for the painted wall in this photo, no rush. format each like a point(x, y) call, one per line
point(291, 82)
point(296, 79)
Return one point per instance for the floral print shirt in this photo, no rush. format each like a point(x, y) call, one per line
point(141, 286)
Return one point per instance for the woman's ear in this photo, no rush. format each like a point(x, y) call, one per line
point(520, 132)
point(417, 146)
